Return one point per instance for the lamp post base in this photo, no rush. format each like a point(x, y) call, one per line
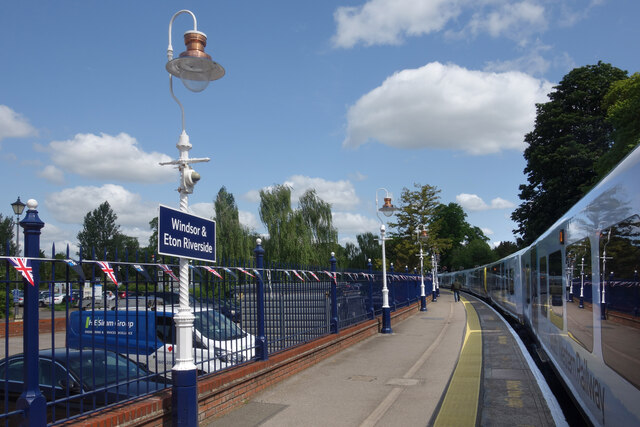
point(423, 303)
point(184, 398)
point(434, 297)
point(386, 320)
point(581, 305)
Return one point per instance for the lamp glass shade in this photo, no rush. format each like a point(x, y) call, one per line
point(194, 66)
point(387, 209)
point(18, 207)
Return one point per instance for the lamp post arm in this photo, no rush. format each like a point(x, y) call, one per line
point(176, 99)
point(195, 28)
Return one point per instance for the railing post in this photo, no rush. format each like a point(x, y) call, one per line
point(31, 400)
point(371, 310)
point(262, 350)
point(392, 290)
point(335, 328)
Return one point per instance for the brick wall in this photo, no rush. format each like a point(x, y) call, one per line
point(220, 393)
point(16, 327)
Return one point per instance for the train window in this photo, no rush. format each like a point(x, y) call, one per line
point(544, 291)
point(555, 289)
point(511, 279)
point(579, 307)
point(619, 259)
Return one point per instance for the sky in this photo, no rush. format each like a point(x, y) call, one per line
point(349, 97)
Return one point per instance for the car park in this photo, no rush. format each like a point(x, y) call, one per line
point(18, 297)
point(149, 336)
point(79, 380)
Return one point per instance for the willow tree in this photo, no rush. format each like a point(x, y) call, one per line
point(289, 238)
point(233, 240)
point(316, 214)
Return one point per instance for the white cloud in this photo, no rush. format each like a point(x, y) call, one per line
point(532, 63)
point(387, 21)
point(14, 125)
point(473, 202)
point(249, 220)
point(340, 194)
point(448, 107)
point(111, 158)
point(352, 224)
point(70, 205)
point(204, 210)
point(487, 231)
point(512, 20)
point(52, 174)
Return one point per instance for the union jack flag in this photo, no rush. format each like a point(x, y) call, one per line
point(297, 275)
point(246, 272)
point(167, 270)
point(22, 265)
point(332, 275)
point(230, 272)
point(213, 271)
point(314, 276)
point(106, 268)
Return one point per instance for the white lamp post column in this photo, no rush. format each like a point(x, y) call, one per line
point(196, 69)
point(422, 237)
point(387, 209)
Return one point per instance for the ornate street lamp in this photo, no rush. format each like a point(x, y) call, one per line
point(387, 209)
point(422, 237)
point(196, 69)
point(18, 208)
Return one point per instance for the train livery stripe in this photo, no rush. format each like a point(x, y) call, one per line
point(464, 387)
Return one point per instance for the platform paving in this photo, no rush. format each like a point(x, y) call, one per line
point(401, 379)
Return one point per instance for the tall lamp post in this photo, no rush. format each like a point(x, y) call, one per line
point(434, 276)
point(18, 208)
point(387, 209)
point(196, 69)
point(422, 238)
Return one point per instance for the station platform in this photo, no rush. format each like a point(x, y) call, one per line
point(457, 364)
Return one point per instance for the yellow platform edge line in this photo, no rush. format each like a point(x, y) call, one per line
point(460, 404)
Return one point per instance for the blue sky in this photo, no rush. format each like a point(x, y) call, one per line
point(342, 96)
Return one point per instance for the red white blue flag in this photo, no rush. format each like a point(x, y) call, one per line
point(213, 271)
point(167, 270)
point(245, 272)
point(22, 265)
point(314, 275)
point(297, 275)
point(235, 276)
point(106, 268)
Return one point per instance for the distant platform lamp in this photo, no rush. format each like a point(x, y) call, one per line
point(387, 210)
point(423, 237)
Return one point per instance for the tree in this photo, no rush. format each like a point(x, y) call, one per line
point(622, 104)
point(569, 135)
point(316, 214)
point(7, 228)
point(233, 240)
point(289, 238)
point(153, 239)
point(99, 231)
point(417, 209)
point(370, 249)
point(505, 249)
point(476, 252)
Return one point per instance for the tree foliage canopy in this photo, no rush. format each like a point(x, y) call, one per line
point(99, 231)
point(233, 240)
point(570, 134)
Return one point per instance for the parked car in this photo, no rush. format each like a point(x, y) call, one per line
point(44, 298)
point(18, 297)
point(89, 377)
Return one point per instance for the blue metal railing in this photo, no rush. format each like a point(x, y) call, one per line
point(114, 342)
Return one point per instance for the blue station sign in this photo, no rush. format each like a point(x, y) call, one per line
point(185, 235)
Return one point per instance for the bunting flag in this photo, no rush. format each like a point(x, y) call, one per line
point(235, 276)
point(314, 276)
point(297, 275)
point(75, 267)
point(246, 272)
point(213, 271)
point(195, 270)
point(332, 276)
point(106, 269)
point(24, 267)
point(287, 273)
point(167, 270)
point(140, 269)
point(304, 274)
point(257, 272)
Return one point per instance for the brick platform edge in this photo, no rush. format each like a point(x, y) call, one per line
point(220, 393)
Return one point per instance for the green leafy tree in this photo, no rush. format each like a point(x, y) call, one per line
point(370, 249)
point(233, 240)
point(570, 134)
point(7, 229)
point(100, 232)
point(316, 214)
point(622, 104)
point(289, 238)
point(417, 208)
point(476, 252)
point(504, 249)
point(153, 239)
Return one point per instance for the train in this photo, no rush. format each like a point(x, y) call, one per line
point(576, 289)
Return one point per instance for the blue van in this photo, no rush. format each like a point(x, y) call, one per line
point(149, 337)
